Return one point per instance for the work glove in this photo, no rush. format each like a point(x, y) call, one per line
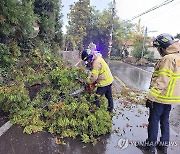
point(90, 87)
point(149, 104)
point(88, 65)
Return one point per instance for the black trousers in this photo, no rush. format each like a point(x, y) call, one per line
point(107, 91)
point(159, 113)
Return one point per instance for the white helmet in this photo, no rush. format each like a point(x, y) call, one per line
point(92, 46)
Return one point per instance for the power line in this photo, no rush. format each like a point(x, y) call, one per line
point(169, 9)
point(153, 8)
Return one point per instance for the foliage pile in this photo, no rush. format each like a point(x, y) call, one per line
point(52, 108)
point(134, 96)
point(128, 94)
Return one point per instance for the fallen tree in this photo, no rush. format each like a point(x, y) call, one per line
point(37, 97)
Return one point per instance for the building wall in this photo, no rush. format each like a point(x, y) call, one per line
point(151, 49)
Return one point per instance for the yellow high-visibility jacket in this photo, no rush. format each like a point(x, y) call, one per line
point(165, 81)
point(100, 73)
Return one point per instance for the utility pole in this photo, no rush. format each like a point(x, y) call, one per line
point(111, 29)
point(144, 41)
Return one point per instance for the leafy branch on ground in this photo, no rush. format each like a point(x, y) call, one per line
point(37, 97)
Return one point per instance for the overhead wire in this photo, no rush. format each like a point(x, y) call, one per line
point(149, 20)
point(152, 9)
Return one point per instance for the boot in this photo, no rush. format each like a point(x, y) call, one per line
point(151, 149)
point(147, 147)
point(110, 109)
point(162, 148)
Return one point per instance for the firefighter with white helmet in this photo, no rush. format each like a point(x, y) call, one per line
point(101, 75)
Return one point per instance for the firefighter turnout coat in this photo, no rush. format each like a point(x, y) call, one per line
point(100, 73)
point(165, 81)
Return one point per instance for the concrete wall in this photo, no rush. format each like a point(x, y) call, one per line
point(71, 57)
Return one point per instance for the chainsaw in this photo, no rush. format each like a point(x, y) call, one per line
point(87, 88)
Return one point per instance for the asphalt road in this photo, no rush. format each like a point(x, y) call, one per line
point(129, 126)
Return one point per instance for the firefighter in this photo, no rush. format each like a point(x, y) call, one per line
point(164, 91)
point(101, 75)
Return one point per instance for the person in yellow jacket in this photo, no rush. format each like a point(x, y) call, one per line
point(101, 75)
point(164, 91)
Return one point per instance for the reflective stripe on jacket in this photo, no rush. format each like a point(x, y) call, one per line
point(165, 82)
point(101, 73)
